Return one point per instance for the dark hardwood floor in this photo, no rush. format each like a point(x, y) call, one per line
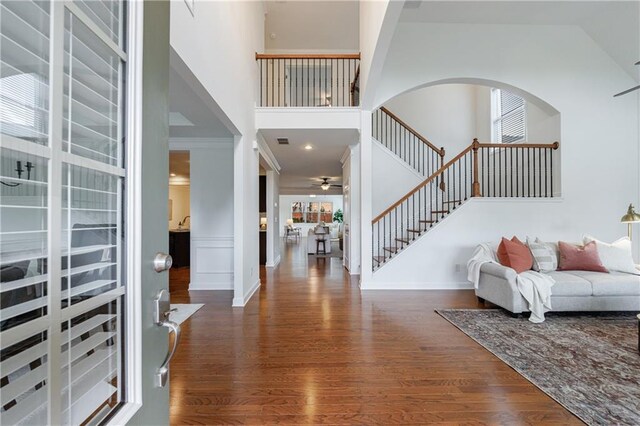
point(311, 349)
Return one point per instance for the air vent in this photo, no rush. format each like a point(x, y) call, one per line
point(283, 141)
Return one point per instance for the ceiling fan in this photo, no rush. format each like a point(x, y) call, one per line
point(628, 90)
point(325, 185)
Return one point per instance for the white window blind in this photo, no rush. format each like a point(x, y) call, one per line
point(62, 238)
point(509, 122)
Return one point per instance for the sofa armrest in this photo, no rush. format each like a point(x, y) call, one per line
point(498, 271)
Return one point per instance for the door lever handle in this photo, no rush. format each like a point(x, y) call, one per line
point(163, 372)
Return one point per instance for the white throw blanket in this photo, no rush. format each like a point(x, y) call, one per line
point(533, 286)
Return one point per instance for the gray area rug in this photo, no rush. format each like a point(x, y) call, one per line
point(589, 363)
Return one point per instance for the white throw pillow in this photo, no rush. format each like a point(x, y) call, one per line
point(615, 256)
point(544, 255)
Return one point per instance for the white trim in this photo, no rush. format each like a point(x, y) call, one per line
point(397, 159)
point(17, 144)
point(56, 119)
point(82, 17)
point(240, 302)
point(312, 110)
point(226, 285)
point(274, 264)
point(418, 285)
point(345, 155)
point(88, 163)
point(267, 154)
point(133, 294)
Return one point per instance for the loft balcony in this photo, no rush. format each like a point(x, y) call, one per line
point(309, 80)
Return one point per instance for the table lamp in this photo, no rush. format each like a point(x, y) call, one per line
point(630, 218)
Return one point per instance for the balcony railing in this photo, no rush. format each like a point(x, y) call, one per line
point(309, 80)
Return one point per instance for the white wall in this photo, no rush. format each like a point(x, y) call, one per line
point(273, 218)
point(179, 196)
point(599, 138)
point(452, 115)
point(218, 45)
point(287, 200)
point(392, 179)
point(212, 217)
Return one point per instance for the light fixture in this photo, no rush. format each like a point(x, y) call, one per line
point(630, 218)
point(172, 174)
point(325, 186)
point(308, 147)
point(290, 222)
point(312, 195)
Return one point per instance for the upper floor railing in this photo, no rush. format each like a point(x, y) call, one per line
point(314, 80)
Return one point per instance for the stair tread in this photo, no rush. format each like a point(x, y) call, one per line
point(379, 259)
point(391, 249)
point(415, 231)
point(439, 211)
point(426, 221)
point(453, 201)
point(402, 240)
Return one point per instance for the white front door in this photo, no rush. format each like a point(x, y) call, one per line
point(78, 135)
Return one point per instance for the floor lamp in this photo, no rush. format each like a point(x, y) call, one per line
point(630, 218)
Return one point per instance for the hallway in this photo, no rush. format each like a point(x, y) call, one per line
point(311, 349)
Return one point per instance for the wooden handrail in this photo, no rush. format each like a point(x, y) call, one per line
point(424, 182)
point(440, 151)
point(307, 56)
point(474, 146)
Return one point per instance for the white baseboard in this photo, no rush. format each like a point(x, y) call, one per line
point(240, 302)
point(194, 286)
point(274, 264)
point(415, 286)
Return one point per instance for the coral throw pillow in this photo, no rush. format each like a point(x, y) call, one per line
point(515, 254)
point(580, 258)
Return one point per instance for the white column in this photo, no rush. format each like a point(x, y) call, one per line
point(366, 191)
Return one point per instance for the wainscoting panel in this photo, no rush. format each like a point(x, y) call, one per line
point(211, 263)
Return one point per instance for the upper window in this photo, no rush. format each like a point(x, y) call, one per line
point(508, 117)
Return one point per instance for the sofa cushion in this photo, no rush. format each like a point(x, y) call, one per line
point(582, 258)
point(570, 284)
point(515, 254)
point(612, 284)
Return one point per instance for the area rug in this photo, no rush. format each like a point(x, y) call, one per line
point(589, 363)
point(335, 252)
point(184, 311)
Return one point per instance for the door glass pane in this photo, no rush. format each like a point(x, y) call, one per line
point(92, 127)
point(23, 238)
point(91, 352)
point(23, 371)
point(91, 234)
point(24, 70)
point(105, 14)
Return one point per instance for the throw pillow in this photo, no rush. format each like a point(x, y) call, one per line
point(615, 256)
point(515, 254)
point(544, 256)
point(580, 258)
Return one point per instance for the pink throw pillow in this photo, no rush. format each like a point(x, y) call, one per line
point(580, 258)
point(515, 254)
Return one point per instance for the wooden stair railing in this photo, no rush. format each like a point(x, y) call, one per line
point(413, 148)
point(481, 169)
point(308, 80)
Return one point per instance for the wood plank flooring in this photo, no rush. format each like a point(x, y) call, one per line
point(311, 349)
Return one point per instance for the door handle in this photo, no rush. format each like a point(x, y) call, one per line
point(161, 318)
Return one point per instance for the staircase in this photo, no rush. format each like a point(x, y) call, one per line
point(481, 169)
point(411, 147)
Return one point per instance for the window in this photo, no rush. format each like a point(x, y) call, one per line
point(312, 212)
point(508, 117)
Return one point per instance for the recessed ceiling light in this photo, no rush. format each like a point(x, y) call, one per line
point(172, 174)
point(308, 147)
point(312, 195)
